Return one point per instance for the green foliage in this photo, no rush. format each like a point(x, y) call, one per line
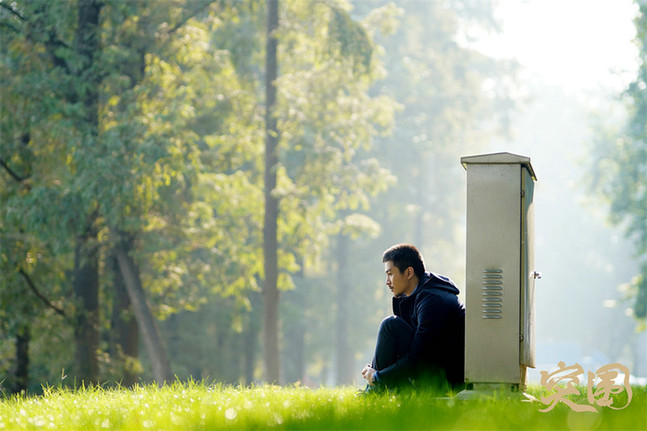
point(349, 40)
point(173, 163)
point(327, 120)
point(198, 406)
point(34, 214)
point(451, 100)
point(171, 107)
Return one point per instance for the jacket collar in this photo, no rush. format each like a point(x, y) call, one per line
point(431, 280)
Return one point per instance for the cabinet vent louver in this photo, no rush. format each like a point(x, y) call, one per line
point(492, 299)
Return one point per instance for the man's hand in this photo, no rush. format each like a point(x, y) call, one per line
point(367, 372)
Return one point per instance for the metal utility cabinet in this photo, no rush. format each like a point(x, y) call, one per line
point(500, 273)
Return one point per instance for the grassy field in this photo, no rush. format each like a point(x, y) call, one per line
point(196, 406)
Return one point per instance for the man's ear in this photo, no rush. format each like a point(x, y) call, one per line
point(410, 272)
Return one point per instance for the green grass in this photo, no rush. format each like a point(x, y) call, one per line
point(196, 406)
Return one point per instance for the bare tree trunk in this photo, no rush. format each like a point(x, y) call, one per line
point(146, 322)
point(22, 359)
point(124, 326)
point(86, 292)
point(86, 255)
point(270, 242)
point(344, 354)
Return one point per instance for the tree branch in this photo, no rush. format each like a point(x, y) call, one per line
point(12, 10)
point(33, 288)
point(23, 180)
point(9, 26)
point(52, 42)
point(14, 175)
point(189, 16)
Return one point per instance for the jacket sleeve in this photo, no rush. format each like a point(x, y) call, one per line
point(432, 310)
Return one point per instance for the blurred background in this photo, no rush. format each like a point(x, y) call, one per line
point(203, 190)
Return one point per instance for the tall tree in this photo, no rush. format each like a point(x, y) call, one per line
point(72, 69)
point(73, 125)
point(86, 253)
point(270, 240)
point(323, 165)
point(329, 169)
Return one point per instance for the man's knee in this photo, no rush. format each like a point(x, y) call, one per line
point(387, 322)
point(391, 324)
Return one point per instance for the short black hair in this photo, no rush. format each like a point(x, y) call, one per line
point(404, 256)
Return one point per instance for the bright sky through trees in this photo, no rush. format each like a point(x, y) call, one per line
point(573, 44)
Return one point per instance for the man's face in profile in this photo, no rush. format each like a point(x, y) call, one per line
point(396, 281)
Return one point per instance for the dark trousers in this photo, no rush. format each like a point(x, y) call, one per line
point(394, 338)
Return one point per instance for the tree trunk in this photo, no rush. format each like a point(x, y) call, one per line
point(251, 338)
point(344, 354)
point(86, 255)
point(86, 292)
point(87, 45)
point(22, 360)
point(270, 242)
point(124, 326)
point(146, 322)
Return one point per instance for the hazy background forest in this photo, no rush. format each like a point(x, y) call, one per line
point(204, 189)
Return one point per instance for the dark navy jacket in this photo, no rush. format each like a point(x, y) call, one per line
point(438, 347)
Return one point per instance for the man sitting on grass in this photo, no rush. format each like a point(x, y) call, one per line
point(422, 344)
